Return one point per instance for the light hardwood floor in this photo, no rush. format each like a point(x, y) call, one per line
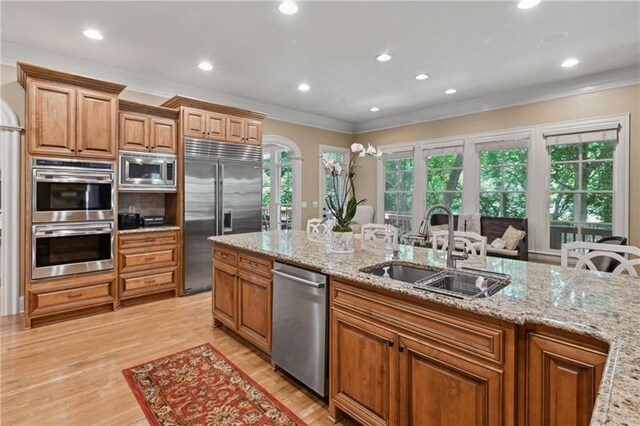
point(70, 373)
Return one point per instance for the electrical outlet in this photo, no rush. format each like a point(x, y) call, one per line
point(304, 204)
point(315, 204)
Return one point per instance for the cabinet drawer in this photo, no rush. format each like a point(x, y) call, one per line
point(141, 259)
point(225, 255)
point(43, 303)
point(147, 239)
point(255, 264)
point(481, 338)
point(148, 283)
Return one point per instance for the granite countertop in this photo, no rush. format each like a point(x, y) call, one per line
point(598, 305)
point(150, 229)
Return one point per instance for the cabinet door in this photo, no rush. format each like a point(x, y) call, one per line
point(363, 369)
point(216, 126)
point(254, 309)
point(193, 123)
point(253, 134)
point(225, 294)
point(97, 124)
point(562, 381)
point(163, 135)
point(235, 129)
point(466, 392)
point(51, 117)
point(134, 132)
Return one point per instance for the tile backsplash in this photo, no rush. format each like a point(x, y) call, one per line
point(145, 204)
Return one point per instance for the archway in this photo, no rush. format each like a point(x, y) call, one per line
point(282, 183)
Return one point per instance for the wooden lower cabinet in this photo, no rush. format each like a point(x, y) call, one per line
point(563, 378)
point(225, 290)
point(148, 264)
point(242, 294)
point(442, 388)
point(394, 362)
point(363, 369)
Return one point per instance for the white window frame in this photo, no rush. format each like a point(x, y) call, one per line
point(538, 174)
point(620, 168)
point(322, 190)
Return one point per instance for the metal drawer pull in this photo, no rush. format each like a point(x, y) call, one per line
point(150, 259)
point(150, 280)
point(74, 295)
point(148, 240)
point(300, 280)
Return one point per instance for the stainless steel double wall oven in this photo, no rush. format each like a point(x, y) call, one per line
point(72, 217)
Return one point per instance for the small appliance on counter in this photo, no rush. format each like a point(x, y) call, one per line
point(128, 221)
point(149, 221)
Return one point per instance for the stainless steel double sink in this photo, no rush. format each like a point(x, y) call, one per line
point(462, 283)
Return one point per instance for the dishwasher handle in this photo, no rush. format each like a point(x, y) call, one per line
point(298, 279)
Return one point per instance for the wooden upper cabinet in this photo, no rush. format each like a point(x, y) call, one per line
point(363, 369)
point(163, 135)
point(97, 124)
point(235, 129)
point(51, 119)
point(468, 393)
point(253, 132)
point(216, 126)
point(562, 381)
point(134, 132)
point(194, 123)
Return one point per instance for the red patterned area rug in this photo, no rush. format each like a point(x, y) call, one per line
point(200, 386)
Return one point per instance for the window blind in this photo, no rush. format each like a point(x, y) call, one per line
point(586, 134)
point(444, 148)
point(493, 144)
point(400, 152)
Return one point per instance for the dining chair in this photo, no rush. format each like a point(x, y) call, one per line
point(472, 243)
point(319, 229)
point(377, 236)
point(589, 255)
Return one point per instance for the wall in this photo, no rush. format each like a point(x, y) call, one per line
point(625, 100)
point(307, 138)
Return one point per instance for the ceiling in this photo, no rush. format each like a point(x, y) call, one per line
point(482, 49)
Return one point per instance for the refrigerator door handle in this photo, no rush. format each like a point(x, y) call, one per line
point(221, 198)
point(215, 199)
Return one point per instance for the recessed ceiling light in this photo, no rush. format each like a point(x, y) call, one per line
point(554, 38)
point(450, 91)
point(93, 34)
point(528, 4)
point(205, 66)
point(570, 62)
point(304, 87)
point(374, 109)
point(288, 7)
point(422, 76)
point(383, 57)
point(588, 88)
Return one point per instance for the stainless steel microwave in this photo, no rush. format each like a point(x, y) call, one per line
point(147, 172)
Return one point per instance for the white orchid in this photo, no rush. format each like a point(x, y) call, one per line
point(357, 147)
point(332, 166)
point(371, 150)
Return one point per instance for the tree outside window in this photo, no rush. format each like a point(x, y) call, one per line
point(444, 180)
point(503, 182)
point(398, 192)
point(581, 192)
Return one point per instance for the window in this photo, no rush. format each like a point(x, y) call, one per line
point(581, 191)
point(444, 180)
point(398, 191)
point(277, 189)
point(341, 155)
point(503, 179)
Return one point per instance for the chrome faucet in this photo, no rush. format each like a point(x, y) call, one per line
point(452, 255)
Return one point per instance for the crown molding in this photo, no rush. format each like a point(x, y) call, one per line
point(605, 80)
point(12, 53)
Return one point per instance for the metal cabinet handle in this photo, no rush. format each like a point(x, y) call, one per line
point(401, 348)
point(149, 259)
point(390, 343)
point(297, 279)
point(75, 295)
point(150, 280)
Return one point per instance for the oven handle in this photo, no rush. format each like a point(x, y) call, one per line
point(52, 176)
point(70, 232)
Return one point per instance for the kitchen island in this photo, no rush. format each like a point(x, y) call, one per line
point(510, 329)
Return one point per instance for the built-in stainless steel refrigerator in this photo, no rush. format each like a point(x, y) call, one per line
point(223, 195)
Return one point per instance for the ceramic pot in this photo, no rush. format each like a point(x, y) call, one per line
point(342, 242)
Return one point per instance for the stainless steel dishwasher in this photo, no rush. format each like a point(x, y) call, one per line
point(299, 335)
